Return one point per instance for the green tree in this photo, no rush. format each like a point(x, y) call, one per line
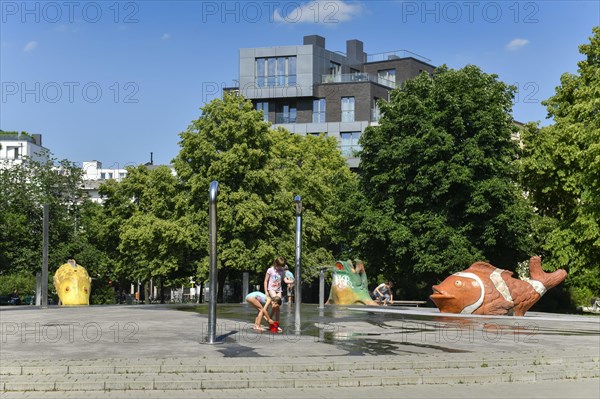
point(313, 168)
point(440, 175)
point(561, 167)
point(24, 187)
point(146, 235)
point(259, 171)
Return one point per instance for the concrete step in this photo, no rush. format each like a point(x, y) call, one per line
point(170, 365)
point(229, 376)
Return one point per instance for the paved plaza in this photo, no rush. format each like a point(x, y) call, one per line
point(162, 351)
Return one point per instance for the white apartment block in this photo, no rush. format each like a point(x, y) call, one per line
point(94, 175)
point(15, 147)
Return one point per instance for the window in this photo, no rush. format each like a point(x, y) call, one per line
point(375, 111)
point(334, 68)
point(110, 175)
point(264, 107)
point(121, 175)
point(317, 134)
point(15, 152)
point(335, 72)
point(387, 77)
point(261, 71)
point(291, 71)
point(286, 113)
point(103, 175)
point(347, 109)
point(318, 111)
point(276, 71)
point(349, 144)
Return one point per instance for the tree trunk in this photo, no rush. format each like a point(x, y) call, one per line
point(147, 292)
point(222, 276)
point(161, 293)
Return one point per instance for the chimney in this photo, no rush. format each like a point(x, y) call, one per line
point(151, 158)
point(37, 139)
point(354, 51)
point(315, 40)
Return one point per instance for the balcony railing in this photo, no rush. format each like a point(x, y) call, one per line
point(356, 77)
point(394, 55)
point(284, 118)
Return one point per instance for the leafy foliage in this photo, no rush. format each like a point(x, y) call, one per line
point(259, 171)
point(440, 175)
point(561, 167)
point(144, 233)
point(24, 188)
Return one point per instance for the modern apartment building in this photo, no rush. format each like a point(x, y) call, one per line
point(308, 89)
point(15, 147)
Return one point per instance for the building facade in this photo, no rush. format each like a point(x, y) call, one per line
point(94, 175)
point(15, 147)
point(308, 89)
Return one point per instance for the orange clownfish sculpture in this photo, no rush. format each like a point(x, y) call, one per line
point(486, 290)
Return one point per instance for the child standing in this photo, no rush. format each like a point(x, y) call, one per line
point(274, 283)
point(274, 278)
point(289, 280)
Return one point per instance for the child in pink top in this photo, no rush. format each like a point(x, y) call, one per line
point(274, 279)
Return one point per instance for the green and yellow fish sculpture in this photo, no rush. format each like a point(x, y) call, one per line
point(73, 284)
point(348, 287)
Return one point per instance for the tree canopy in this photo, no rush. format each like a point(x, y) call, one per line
point(144, 231)
point(561, 167)
point(24, 187)
point(259, 171)
point(439, 173)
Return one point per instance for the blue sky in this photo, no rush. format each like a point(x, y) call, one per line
point(114, 81)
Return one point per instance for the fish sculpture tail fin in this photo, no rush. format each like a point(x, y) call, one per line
point(549, 280)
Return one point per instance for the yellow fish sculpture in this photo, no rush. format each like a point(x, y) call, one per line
point(73, 284)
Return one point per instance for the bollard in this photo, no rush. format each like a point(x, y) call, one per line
point(44, 293)
point(245, 282)
point(212, 276)
point(298, 276)
point(322, 289)
point(38, 289)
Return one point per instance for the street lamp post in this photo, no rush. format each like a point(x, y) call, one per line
point(298, 287)
point(44, 293)
point(322, 288)
point(212, 277)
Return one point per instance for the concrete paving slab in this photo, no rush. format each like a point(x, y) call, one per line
point(147, 346)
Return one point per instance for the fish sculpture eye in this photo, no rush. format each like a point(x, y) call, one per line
point(67, 289)
point(458, 283)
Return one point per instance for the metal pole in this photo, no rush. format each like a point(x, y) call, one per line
point(322, 289)
point(38, 289)
point(44, 293)
point(212, 277)
point(298, 201)
point(245, 280)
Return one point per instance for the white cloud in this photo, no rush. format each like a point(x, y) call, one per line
point(166, 36)
point(32, 45)
point(516, 44)
point(318, 12)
